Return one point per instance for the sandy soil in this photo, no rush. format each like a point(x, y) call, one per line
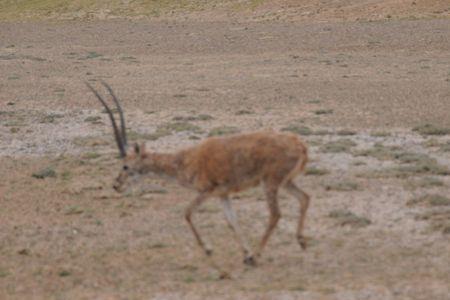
point(364, 85)
point(226, 10)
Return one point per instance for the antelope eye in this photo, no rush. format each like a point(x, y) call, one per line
point(125, 168)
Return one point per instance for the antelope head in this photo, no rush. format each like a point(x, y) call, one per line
point(132, 166)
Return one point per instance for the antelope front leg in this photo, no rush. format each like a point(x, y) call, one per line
point(275, 215)
point(206, 249)
point(304, 204)
point(234, 225)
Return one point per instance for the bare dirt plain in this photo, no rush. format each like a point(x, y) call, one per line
point(354, 90)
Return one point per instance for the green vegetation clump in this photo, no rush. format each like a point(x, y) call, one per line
point(158, 246)
point(50, 118)
point(134, 135)
point(323, 111)
point(93, 119)
point(244, 112)
point(74, 210)
point(4, 273)
point(439, 219)
point(44, 173)
point(446, 229)
point(342, 186)
point(179, 127)
point(91, 155)
point(64, 273)
point(431, 142)
point(380, 152)
point(322, 132)
point(427, 166)
point(164, 130)
point(395, 153)
point(91, 55)
point(346, 132)
point(438, 200)
point(429, 129)
point(380, 134)
point(304, 130)
point(345, 217)
point(66, 175)
point(90, 141)
point(7, 113)
point(430, 200)
point(114, 110)
point(314, 171)
point(412, 163)
point(200, 117)
point(223, 130)
point(429, 182)
point(298, 129)
point(342, 145)
point(410, 157)
point(445, 147)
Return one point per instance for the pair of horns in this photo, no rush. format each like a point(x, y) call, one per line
point(120, 135)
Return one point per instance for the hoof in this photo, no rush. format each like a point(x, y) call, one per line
point(250, 261)
point(302, 242)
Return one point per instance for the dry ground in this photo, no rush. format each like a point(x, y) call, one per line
point(220, 10)
point(355, 91)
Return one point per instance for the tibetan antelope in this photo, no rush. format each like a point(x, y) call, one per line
point(220, 166)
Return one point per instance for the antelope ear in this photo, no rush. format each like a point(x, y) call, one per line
point(137, 149)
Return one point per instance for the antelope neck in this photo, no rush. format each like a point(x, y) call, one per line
point(163, 163)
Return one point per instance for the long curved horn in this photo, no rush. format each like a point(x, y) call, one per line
point(119, 108)
point(113, 122)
